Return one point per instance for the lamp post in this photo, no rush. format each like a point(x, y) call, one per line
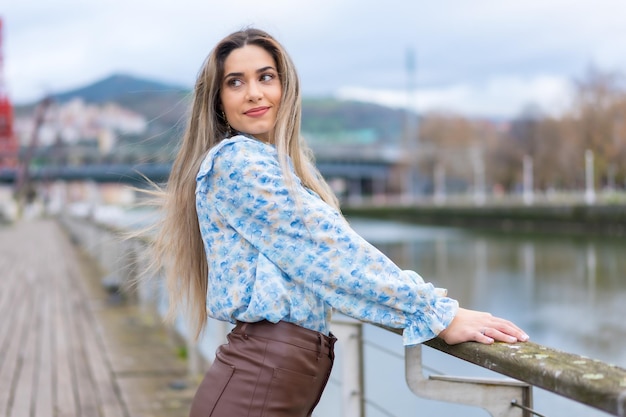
point(528, 194)
point(440, 184)
point(479, 176)
point(590, 193)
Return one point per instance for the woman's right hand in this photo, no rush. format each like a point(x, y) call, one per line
point(477, 326)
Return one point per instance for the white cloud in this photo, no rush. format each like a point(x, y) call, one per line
point(500, 97)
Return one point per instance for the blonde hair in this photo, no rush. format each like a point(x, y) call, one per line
point(178, 245)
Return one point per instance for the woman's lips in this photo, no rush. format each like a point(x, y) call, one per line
point(257, 111)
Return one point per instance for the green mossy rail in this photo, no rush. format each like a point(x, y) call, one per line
point(587, 381)
point(609, 219)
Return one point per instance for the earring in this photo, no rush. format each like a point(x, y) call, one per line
point(227, 124)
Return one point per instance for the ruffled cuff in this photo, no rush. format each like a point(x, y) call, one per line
point(433, 318)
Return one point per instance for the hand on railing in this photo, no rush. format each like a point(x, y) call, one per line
point(477, 326)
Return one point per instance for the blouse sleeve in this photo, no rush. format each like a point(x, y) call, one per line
point(314, 246)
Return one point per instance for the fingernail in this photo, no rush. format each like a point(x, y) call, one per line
point(512, 339)
point(525, 337)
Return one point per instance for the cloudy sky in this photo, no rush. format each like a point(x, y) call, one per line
point(476, 57)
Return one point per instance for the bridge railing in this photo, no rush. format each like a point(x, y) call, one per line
point(584, 380)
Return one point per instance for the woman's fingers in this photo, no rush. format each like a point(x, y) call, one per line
point(470, 325)
point(506, 331)
point(483, 337)
point(497, 335)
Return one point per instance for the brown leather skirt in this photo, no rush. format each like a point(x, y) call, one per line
point(266, 370)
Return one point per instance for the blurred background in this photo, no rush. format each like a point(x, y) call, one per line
point(406, 104)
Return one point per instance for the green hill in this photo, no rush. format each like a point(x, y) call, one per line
point(117, 87)
point(161, 103)
point(329, 119)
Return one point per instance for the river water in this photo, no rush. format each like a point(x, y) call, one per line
point(568, 294)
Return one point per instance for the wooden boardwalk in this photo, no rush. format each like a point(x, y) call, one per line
point(65, 349)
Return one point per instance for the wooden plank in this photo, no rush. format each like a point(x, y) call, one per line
point(87, 400)
point(8, 290)
point(23, 396)
point(85, 390)
point(11, 289)
point(11, 363)
point(44, 404)
point(65, 404)
point(9, 311)
point(44, 397)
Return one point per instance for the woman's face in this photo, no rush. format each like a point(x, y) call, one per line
point(251, 91)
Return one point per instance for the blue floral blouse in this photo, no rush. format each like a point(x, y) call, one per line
point(274, 257)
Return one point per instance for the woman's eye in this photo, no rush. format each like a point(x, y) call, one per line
point(234, 82)
point(267, 77)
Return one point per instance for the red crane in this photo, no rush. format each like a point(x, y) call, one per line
point(8, 141)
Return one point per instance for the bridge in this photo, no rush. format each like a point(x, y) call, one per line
point(353, 170)
point(158, 172)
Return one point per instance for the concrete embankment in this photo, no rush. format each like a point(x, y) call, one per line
point(580, 219)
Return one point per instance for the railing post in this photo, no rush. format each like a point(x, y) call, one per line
point(494, 395)
point(349, 332)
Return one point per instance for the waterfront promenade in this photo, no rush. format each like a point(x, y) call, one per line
point(67, 348)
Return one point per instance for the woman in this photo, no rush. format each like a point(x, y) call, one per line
point(253, 235)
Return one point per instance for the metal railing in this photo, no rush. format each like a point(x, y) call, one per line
point(587, 381)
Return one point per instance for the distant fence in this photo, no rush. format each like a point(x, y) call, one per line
point(587, 381)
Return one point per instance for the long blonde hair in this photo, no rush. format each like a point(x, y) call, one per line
point(178, 244)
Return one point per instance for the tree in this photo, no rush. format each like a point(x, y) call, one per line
point(599, 112)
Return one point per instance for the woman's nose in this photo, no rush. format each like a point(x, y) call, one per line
point(254, 92)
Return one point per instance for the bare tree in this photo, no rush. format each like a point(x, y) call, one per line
point(600, 111)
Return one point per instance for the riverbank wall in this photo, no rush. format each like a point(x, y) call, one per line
point(581, 219)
